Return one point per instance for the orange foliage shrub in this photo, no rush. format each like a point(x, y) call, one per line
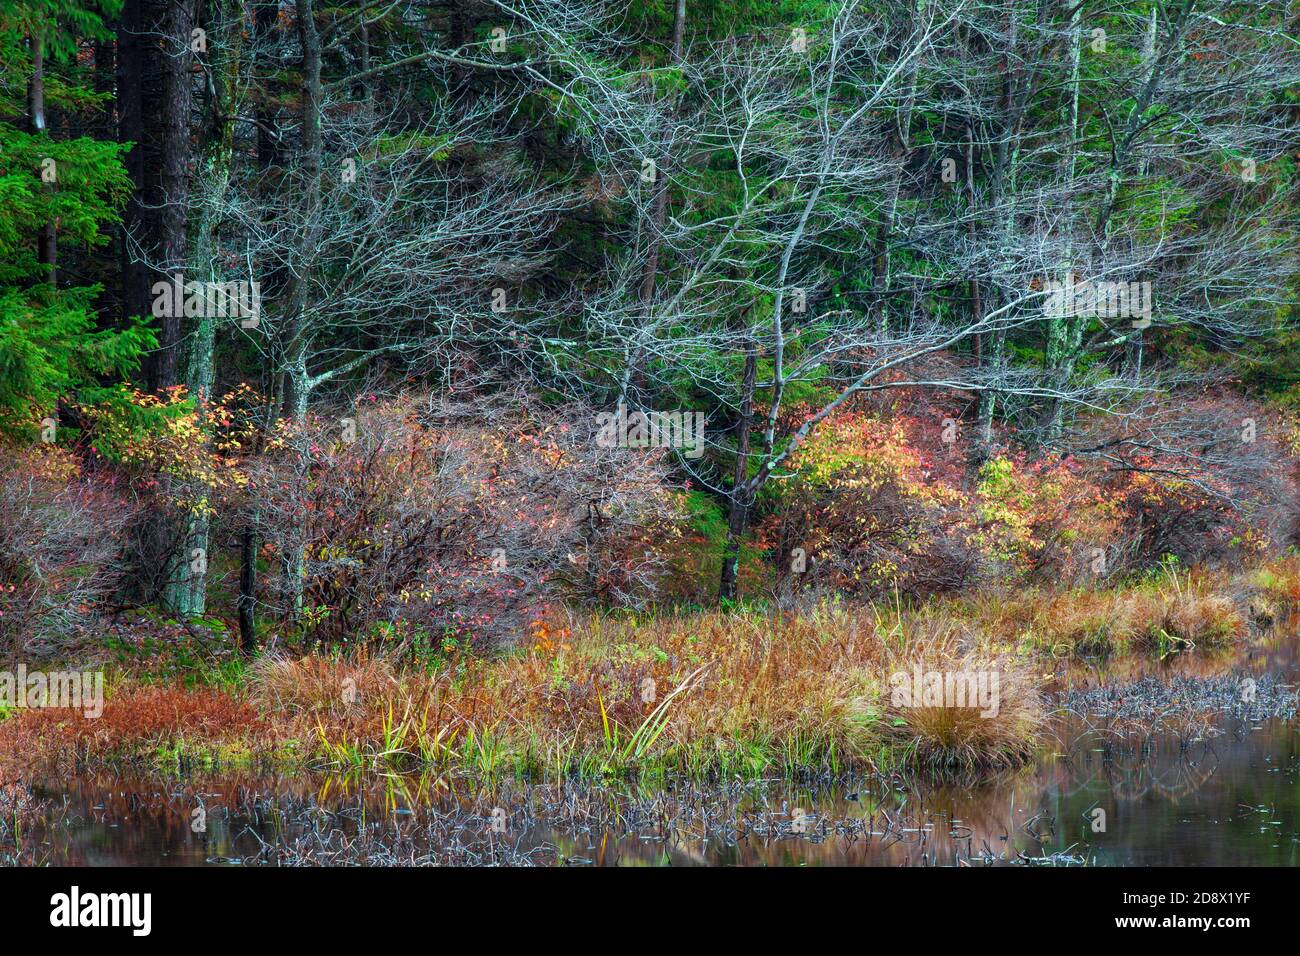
point(874, 504)
point(864, 508)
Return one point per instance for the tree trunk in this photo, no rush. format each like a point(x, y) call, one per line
point(187, 594)
point(742, 495)
point(248, 589)
point(881, 251)
point(1065, 333)
point(1002, 182)
point(1137, 340)
point(994, 357)
point(131, 59)
point(270, 151)
point(47, 242)
point(298, 382)
point(976, 298)
point(659, 204)
point(165, 46)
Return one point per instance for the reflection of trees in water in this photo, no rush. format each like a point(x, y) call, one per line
point(1132, 768)
point(1195, 763)
point(876, 819)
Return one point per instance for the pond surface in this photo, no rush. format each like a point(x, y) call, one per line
point(1181, 774)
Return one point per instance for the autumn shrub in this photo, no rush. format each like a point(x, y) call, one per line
point(60, 549)
point(1042, 520)
point(863, 515)
point(181, 457)
point(1205, 479)
point(1177, 517)
point(874, 505)
point(871, 511)
point(427, 523)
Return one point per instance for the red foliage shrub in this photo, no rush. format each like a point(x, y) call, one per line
point(1206, 479)
point(865, 514)
point(422, 521)
point(60, 550)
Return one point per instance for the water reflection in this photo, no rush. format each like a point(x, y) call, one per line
point(1227, 800)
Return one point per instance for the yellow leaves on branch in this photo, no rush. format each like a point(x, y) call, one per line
point(190, 450)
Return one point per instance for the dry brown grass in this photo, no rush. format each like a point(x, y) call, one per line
point(1200, 608)
point(1275, 587)
point(1201, 618)
point(1004, 734)
point(324, 685)
point(806, 692)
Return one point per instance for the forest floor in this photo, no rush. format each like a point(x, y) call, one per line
point(705, 694)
